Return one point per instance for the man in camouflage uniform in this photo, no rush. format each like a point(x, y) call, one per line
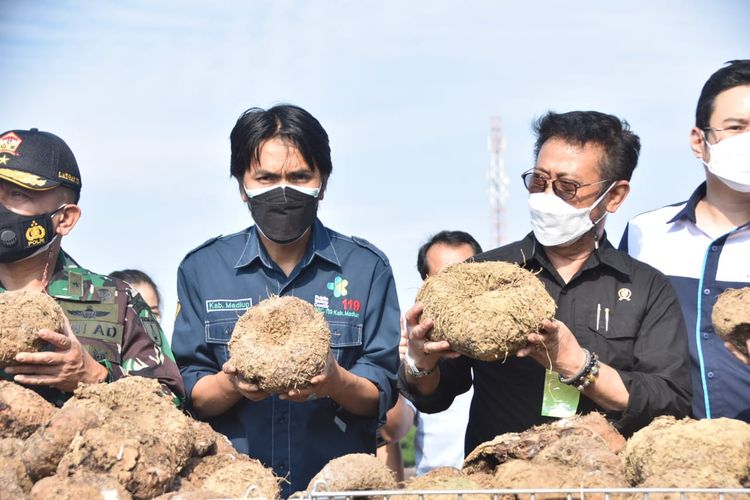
point(110, 331)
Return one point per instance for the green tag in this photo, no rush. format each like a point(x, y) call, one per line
point(559, 400)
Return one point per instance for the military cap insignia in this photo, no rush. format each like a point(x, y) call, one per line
point(26, 178)
point(9, 143)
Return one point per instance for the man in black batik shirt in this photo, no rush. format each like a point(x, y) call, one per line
point(618, 332)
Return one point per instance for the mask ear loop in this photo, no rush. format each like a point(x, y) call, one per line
point(596, 236)
point(45, 281)
point(601, 198)
point(45, 273)
point(708, 145)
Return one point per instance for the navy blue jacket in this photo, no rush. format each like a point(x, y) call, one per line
point(350, 282)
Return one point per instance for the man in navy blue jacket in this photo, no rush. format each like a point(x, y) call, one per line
point(281, 160)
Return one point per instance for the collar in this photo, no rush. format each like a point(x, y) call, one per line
point(688, 211)
point(319, 245)
point(606, 255)
point(64, 262)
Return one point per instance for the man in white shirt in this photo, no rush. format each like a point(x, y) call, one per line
point(703, 243)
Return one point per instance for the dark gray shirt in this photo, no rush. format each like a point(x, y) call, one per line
point(643, 339)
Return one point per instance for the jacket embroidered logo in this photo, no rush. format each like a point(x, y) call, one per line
point(338, 286)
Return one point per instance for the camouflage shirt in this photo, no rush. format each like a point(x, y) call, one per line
point(114, 325)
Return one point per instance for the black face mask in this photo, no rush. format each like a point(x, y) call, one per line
point(283, 214)
point(22, 235)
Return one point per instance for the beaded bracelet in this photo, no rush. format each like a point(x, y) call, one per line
point(586, 375)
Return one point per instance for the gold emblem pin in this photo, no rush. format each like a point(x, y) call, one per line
point(624, 294)
point(35, 234)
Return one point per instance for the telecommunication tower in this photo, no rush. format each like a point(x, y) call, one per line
point(498, 182)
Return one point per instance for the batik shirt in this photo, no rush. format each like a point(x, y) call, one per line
point(621, 309)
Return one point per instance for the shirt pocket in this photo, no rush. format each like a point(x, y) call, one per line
point(615, 332)
point(218, 333)
point(346, 342)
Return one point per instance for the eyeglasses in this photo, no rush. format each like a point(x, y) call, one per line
point(729, 131)
point(564, 188)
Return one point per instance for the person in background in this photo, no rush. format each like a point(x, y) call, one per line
point(703, 244)
point(629, 362)
point(435, 443)
point(109, 332)
point(398, 422)
point(144, 285)
point(281, 161)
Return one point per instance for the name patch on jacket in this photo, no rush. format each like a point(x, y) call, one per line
point(228, 304)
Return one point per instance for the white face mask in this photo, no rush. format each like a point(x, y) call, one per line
point(730, 161)
point(556, 223)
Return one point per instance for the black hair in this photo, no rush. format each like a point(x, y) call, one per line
point(735, 74)
point(620, 145)
point(450, 238)
point(133, 276)
point(70, 195)
point(291, 124)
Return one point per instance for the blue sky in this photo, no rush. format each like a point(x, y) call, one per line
point(145, 93)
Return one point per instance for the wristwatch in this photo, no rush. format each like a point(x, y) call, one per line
point(414, 371)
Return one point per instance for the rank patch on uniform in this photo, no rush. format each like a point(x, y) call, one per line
point(75, 284)
point(228, 304)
